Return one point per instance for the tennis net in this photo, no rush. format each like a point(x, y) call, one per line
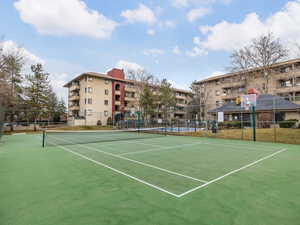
point(52, 137)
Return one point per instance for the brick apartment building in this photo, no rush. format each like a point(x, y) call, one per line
point(96, 97)
point(284, 81)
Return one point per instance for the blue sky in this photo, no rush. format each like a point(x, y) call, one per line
point(181, 40)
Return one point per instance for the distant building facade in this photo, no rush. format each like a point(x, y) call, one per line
point(284, 81)
point(96, 98)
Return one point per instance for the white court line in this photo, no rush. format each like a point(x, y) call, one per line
point(138, 162)
point(230, 173)
point(134, 141)
point(161, 149)
point(235, 146)
point(118, 171)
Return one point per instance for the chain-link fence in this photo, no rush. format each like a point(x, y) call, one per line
point(274, 119)
point(1, 121)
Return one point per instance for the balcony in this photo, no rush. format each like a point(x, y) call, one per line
point(74, 107)
point(230, 96)
point(130, 99)
point(74, 97)
point(180, 96)
point(130, 88)
point(234, 84)
point(117, 92)
point(117, 102)
point(281, 89)
point(74, 88)
point(180, 104)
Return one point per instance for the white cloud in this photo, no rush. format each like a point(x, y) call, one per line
point(217, 73)
point(151, 32)
point(67, 17)
point(153, 52)
point(196, 14)
point(178, 85)
point(176, 50)
point(197, 50)
point(167, 24)
point(228, 36)
point(142, 14)
point(58, 80)
point(125, 65)
point(12, 47)
point(187, 3)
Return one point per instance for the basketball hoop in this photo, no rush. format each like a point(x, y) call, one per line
point(247, 101)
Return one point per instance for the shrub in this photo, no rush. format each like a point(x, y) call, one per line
point(288, 123)
point(230, 124)
point(109, 121)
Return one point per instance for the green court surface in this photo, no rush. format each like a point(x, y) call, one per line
point(156, 181)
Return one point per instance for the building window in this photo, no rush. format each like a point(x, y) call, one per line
point(85, 101)
point(105, 102)
point(217, 93)
point(90, 101)
point(117, 87)
point(85, 90)
point(106, 91)
point(90, 90)
point(105, 113)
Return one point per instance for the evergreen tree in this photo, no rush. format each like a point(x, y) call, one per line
point(167, 98)
point(147, 101)
point(38, 91)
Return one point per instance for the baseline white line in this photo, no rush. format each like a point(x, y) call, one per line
point(230, 173)
point(235, 146)
point(118, 171)
point(160, 149)
point(138, 162)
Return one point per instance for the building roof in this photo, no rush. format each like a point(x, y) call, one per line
point(264, 103)
point(250, 70)
point(105, 76)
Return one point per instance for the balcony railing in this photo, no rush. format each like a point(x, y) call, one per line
point(74, 107)
point(74, 87)
point(233, 84)
point(117, 102)
point(130, 99)
point(74, 97)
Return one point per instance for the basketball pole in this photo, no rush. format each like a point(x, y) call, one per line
point(254, 122)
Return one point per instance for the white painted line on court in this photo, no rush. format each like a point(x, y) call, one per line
point(234, 146)
point(118, 171)
point(132, 142)
point(138, 162)
point(230, 173)
point(160, 149)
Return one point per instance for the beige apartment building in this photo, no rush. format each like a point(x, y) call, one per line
point(284, 80)
point(96, 98)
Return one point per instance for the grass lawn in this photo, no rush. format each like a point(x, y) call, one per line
point(281, 135)
point(109, 183)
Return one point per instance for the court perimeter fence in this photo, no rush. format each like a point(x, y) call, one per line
point(276, 120)
point(1, 121)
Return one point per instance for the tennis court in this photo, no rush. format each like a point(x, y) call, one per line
point(174, 165)
point(146, 178)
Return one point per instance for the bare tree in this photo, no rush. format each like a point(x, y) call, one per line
point(298, 49)
point(261, 53)
point(143, 80)
point(204, 94)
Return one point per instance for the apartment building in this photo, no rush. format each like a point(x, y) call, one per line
point(284, 80)
point(96, 98)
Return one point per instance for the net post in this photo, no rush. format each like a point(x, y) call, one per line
point(44, 138)
point(254, 122)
